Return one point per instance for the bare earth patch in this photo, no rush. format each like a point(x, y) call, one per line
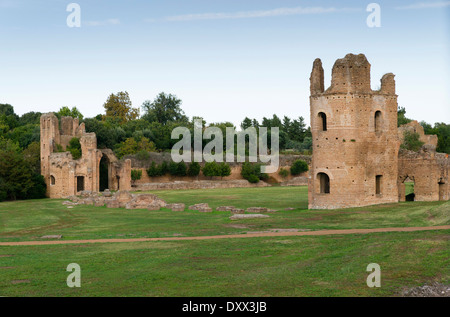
point(20, 281)
point(279, 230)
point(433, 290)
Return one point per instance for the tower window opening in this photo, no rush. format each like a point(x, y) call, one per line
point(323, 121)
point(377, 121)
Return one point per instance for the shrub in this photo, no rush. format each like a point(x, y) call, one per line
point(59, 148)
point(283, 172)
point(181, 169)
point(153, 170)
point(299, 167)
point(252, 172)
point(223, 169)
point(210, 169)
point(411, 141)
point(74, 147)
point(163, 168)
point(173, 168)
point(253, 179)
point(136, 175)
point(194, 169)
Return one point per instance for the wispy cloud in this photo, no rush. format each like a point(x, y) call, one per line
point(102, 23)
point(255, 14)
point(425, 5)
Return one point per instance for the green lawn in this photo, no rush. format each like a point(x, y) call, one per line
point(291, 266)
point(29, 220)
point(294, 266)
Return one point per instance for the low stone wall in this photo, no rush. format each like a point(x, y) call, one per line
point(296, 181)
point(198, 185)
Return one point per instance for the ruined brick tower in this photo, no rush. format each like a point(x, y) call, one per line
point(65, 176)
point(354, 131)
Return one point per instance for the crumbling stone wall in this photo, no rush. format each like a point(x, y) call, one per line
point(430, 141)
point(356, 159)
point(428, 170)
point(65, 176)
point(355, 143)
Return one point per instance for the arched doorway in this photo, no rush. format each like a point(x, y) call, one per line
point(104, 173)
point(441, 189)
point(324, 183)
point(409, 189)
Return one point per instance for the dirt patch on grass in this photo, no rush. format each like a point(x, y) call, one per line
point(7, 267)
point(6, 255)
point(237, 226)
point(278, 230)
point(20, 281)
point(432, 290)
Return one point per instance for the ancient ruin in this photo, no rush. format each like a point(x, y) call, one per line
point(357, 159)
point(65, 176)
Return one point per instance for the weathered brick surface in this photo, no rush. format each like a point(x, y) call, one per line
point(356, 142)
point(63, 174)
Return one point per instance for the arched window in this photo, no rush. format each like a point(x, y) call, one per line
point(52, 180)
point(323, 121)
point(377, 121)
point(324, 182)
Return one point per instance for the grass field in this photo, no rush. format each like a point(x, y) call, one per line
point(275, 266)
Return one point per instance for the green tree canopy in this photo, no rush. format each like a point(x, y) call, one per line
point(74, 113)
point(163, 109)
point(119, 107)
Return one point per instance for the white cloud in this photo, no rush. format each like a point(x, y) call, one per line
point(425, 5)
point(101, 23)
point(255, 14)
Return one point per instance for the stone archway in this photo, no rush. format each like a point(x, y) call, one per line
point(407, 188)
point(104, 174)
point(441, 184)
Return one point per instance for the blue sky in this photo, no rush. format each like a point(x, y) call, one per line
point(225, 59)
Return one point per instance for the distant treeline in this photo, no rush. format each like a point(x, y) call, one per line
point(128, 131)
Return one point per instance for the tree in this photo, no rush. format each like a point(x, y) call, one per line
point(30, 118)
point(74, 113)
point(74, 147)
point(119, 107)
point(163, 109)
point(401, 118)
point(411, 141)
point(32, 157)
point(132, 146)
point(247, 123)
point(25, 135)
point(15, 175)
point(443, 132)
point(7, 116)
